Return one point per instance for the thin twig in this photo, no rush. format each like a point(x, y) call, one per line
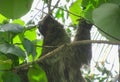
point(39, 45)
point(47, 46)
point(56, 5)
point(68, 11)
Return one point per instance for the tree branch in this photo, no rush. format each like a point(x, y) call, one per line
point(68, 11)
point(56, 5)
point(83, 42)
point(49, 6)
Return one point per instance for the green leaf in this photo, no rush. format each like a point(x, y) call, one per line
point(45, 1)
point(15, 8)
point(10, 77)
point(9, 31)
point(88, 12)
point(1, 73)
point(114, 1)
point(95, 3)
point(17, 39)
point(12, 28)
point(19, 21)
point(4, 37)
point(5, 63)
point(38, 49)
point(76, 9)
point(31, 34)
point(14, 58)
point(29, 47)
point(11, 49)
point(88, 7)
point(36, 74)
point(67, 0)
point(62, 15)
point(58, 15)
point(85, 3)
point(107, 18)
point(2, 18)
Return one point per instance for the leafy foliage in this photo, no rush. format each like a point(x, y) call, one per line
point(77, 10)
point(2, 18)
point(109, 13)
point(11, 49)
point(10, 77)
point(5, 63)
point(36, 74)
point(12, 28)
point(15, 8)
point(30, 48)
point(97, 11)
point(102, 74)
point(15, 48)
point(60, 14)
